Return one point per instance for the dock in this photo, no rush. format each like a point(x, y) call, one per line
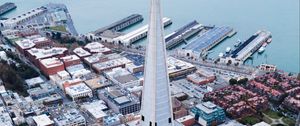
point(121, 24)
point(207, 41)
point(138, 34)
point(251, 45)
point(6, 7)
point(178, 36)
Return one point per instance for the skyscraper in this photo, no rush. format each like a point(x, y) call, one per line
point(156, 101)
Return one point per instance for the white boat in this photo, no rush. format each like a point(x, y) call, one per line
point(239, 42)
point(261, 49)
point(221, 54)
point(228, 49)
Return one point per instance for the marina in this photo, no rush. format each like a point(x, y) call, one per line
point(6, 7)
point(139, 33)
point(206, 41)
point(121, 24)
point(182, 33)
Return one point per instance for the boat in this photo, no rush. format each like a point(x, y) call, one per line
point(269, 40)
point(264, 44)
point(239, 42)
point(228, 49)
point(221, 54)
point(261, 49)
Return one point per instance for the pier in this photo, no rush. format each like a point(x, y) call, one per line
point(6, 7)
point(121, 24)
point(181, 34)
point(206, 41)
point(251, 45)
point(138, 34)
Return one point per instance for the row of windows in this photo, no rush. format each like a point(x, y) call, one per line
point(150, 123)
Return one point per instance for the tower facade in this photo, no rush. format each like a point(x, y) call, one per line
point(156, 99)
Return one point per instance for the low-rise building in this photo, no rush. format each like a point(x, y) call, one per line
point(36, 54)
point(96, 47)
point(78, 71)
point(122, 77)
point(51, 66)
point(119, 100)
point(96, 110)
point(108, 65)
point(23, 45)
point(178, 67)
point(95, 83)
point(71, 117)
point(187, 120)
point(78, 91)
point(81, 53)
point(43, 120)
point(70, 60)
point(208, 114)
point(34, 82)
point(5, 119)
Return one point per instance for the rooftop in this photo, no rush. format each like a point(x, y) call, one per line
point(208, 38)
point(95, 83)
point(33, 81)
point(208, 107)
point(69, 116)
point(25, 43)
point(96, 108)
point(42, 120)
point(51, 62)
point(70, 58)
point(175, 65)
point(111, 63)
point(77, 89)
point(81, 52)
point(49, 52)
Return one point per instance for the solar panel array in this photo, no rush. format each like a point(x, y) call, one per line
point(181, 30)
point(208, 38)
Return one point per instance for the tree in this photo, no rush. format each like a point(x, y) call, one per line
point(233, 81)
point(58, 35)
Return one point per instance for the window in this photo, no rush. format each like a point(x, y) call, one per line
point(143, 118)
point(150, 124)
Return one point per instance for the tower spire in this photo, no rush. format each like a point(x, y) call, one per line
point(156, 99)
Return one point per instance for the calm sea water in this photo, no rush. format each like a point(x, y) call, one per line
point(281, 17)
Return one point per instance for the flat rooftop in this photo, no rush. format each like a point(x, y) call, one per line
point(129, 37)
point(33, 81)
point(25, 43)
point(208, 38)
point(42, 120)
point(40, 53)
point(81, 52)
point(70, 58)
point(181, 30)
point(207, 107)
point(78, 89)
point(117, 23)
point(175, 65)
point(111, 63)
point(51, 62)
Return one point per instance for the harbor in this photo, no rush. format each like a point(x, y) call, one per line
point(121, 24)
point(6, 7)
point(183, 33)
point(206, 41)
point(249, 47)
point(139, 33)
